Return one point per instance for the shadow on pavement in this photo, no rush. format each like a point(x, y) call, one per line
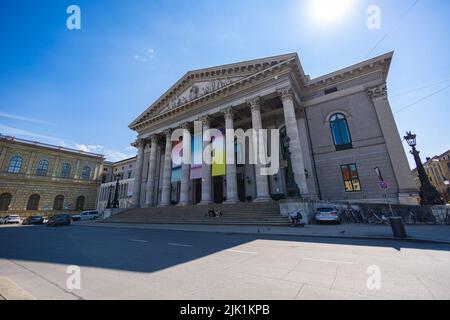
point(144, 251)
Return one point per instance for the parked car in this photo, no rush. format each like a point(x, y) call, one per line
point(328, 214)
point(11, 219)
point(59, 220)
point(76, 217)
point(33, 220)
point(86, 216)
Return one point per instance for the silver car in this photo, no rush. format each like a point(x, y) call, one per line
point(11, 219)
point(328, 214)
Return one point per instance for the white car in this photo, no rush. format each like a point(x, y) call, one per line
point(328, 214)
point(86, 216)
point(12, 219)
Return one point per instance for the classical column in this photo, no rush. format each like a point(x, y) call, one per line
point(167, 173)
point(295, 147)
point(77, 170)
point(55, 167)
point(136, 199)
point(3, 156)
point(262, 183)
point(393, 142)
point(30, 163)
point(97, 168)
point(232, 193)
point(186, 167)
point(206, 167)
point(151, 178)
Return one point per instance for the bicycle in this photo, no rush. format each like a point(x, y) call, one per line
point(413, 217)
point(374, 218)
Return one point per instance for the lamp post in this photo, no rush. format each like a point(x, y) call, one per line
point(291, 185)
point(428, 194)
point(116, 203)
point(110, 189)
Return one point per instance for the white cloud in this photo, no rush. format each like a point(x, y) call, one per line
point(20, 118)
point(25, 134)
point(110, 155)
point(148, 55)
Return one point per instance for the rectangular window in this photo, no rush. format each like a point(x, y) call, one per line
point(351, 178)
point(331, 90)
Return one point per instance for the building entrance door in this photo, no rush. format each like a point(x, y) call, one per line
point(241, 187)
point(197, 191)
point(218, 190)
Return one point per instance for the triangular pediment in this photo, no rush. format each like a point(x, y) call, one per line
point(197, 90)
point(197, 84)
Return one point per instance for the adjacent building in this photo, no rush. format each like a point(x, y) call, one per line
point(37, 177)
point(122, 171)
point(438, 171)
point(334, 131)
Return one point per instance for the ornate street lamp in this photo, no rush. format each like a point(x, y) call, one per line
point(291, 185)
point(428, 194)
point(116, 203)
point(110, 189)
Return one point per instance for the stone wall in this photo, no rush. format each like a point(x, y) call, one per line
point(21, 191)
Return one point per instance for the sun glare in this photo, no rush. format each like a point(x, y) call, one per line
point(330, 11)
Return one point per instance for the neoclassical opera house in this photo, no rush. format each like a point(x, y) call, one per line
point(334, 131)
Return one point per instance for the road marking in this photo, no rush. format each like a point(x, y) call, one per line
point(180, 245)
point(243, 252)
point(330, 261)
point(141, 241)
point(9, 290)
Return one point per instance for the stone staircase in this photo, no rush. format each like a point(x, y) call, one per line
point(247, 214)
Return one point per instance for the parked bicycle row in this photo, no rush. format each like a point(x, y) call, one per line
point(332, 214)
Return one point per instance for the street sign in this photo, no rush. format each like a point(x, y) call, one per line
point(378, 173)
point(384, 185)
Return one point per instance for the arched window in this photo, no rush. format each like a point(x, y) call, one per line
point(15, 165)
point(42, 168)
point(86, 173)
point(5, 201)
point(33, 202)
point(340, 132)
point(80, 203)
point(65, 170)
point(58, 204)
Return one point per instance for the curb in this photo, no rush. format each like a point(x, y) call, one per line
point(409, 239)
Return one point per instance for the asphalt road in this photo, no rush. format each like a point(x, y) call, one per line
point(157, 264)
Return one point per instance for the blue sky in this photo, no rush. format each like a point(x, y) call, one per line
point(82, 88)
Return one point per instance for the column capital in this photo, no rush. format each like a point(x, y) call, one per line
point(228, 113)
point(378, 92)
point(168, 133)
point(255, 104)
point(139, 143)
point(154, 139)
point(286, 93)
point(206, 121)
point(186, 126)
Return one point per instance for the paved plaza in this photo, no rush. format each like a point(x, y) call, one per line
point(126, 262)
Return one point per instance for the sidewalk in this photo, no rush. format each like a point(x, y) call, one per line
point(420, 233)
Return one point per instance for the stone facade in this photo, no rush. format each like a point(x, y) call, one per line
point(36, 177)
point(339, 127)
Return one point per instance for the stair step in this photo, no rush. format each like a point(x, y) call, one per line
point(249, 214)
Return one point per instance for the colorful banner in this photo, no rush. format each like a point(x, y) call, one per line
point(197, 157)
point(219, 167)
point(177, 148)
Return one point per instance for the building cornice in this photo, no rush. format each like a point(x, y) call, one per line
point(381, 63)
point(263, 67)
